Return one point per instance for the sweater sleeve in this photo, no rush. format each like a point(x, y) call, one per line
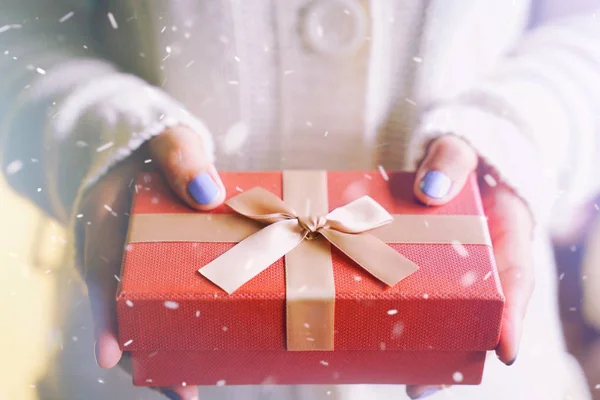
point(67, 115)
point(534, 118)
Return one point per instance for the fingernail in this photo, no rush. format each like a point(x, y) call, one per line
point(511, 362)
point(436, 184)
point(428, 392)
point(96, 353)
point(172, 395)
point(203, 189)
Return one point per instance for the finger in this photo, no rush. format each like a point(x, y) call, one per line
point(511, 234)
point(104, 238)
point(180, 154)
point(422, 391)
point(444, 170)
point(181, 393)
point(102, 288)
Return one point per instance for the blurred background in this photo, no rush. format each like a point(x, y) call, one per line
point(46, 340)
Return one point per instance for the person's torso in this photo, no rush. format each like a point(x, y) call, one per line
point(310, 84)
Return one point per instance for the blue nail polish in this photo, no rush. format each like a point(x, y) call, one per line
point(172, 395)
point(436, 184)
point(429, 392)
point(203, 189)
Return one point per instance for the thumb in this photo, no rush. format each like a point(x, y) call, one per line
point(180, 154)
point(444, 170)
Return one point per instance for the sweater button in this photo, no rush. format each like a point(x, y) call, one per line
point(335, 27)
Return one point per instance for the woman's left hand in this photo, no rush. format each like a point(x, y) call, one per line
point(440, 177)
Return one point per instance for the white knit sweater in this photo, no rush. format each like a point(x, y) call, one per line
point(296, 83)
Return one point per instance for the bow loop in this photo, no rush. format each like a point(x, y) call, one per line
point(261, 205)
point(361, 215)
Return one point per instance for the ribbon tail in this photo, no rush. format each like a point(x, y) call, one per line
point(372, 254)
point(253, 255)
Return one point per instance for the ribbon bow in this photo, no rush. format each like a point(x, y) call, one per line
point(345, 227)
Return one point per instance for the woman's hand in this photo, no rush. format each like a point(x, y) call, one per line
point(440, 177)
point(178, 153)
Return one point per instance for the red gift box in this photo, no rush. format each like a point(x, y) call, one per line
point(433, 327)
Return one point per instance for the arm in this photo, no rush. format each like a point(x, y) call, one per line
point(534, 118)
point(66, 114)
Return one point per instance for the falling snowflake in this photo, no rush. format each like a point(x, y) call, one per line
point(357, 278)
point(197, 313)
point(221, 382)
point(148, 161)
point(410, 101)
point(110, 210)
point(100, 380)
point(597, 387)
point(310, 339)
point(75, 338)
point(306, 325)
point(383, 173)
point(457, 377)
point(392, 312)
point(225, 329)
point(425, 296)
point(397, 330)
point(460, 249)
point(113, 21)
point(236, 58)
point(183, 384)
point(171, 305)
point(104, 147)
point(323, 362)
point(417, 59)
point(14, 167)
point(468, 279)
point(382, 346)
point(239, 189)
point(148, 380)
point(490, 180)
point(66, 17)
point(573, 249)
point(127, 343)
point(129, 303)
point(487, 276)
point(117, 278)
point(9, 27)
point(561, 276)
point(233, 82)
point(235, 138)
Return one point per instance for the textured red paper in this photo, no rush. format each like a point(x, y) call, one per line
point(453, 303)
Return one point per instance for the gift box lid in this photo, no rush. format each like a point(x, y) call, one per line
point(453, 302)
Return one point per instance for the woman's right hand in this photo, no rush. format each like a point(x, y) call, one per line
point(179, 154)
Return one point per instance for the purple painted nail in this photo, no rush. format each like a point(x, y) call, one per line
point(203, 189)
point(436, 184)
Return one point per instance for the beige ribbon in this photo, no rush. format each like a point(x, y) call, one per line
point(304, 239)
